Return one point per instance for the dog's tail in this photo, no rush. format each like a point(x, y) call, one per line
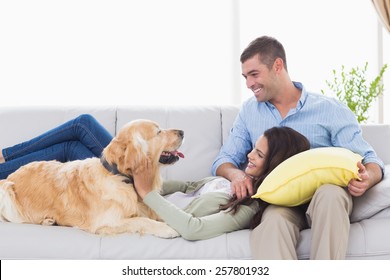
point(8, 210)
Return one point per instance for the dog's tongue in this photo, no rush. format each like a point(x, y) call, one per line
point(180, 154)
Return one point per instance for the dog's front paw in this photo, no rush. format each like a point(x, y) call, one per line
point(48, 222)
point(105, 231)
point(167, 232)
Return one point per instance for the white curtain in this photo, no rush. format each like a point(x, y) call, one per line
point(383, 9)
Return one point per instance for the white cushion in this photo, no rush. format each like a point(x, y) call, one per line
point(19, 124)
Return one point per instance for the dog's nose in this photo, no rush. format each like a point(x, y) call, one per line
point(181, 133)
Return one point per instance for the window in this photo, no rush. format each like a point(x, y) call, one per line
point(386, 80)
point(85, 52)
point(116, 52)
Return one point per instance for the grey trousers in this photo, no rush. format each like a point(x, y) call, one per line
point(327, 214)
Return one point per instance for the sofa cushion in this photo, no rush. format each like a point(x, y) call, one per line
point(295, 180)
point(24, 123)
point(28, 241)
point(228, 115)
point(373, 201)
point(378, 136)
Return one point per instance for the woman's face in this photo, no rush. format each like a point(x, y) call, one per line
point(256, 157)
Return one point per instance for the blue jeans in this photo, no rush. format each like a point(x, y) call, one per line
point(80, 138)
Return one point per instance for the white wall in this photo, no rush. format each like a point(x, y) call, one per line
point(110, 52)
point(168, 52)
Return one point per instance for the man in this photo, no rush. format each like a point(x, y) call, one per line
point(278, 101)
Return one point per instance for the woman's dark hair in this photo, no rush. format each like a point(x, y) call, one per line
point(268, 49)
point(283, 142)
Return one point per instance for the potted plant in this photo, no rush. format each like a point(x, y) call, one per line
point(352, 88)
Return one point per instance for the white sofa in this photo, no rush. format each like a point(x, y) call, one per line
point(205, 128)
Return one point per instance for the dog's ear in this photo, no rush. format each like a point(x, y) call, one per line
point(137, 156)
point(114, 152)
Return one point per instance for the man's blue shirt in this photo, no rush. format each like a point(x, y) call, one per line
point(325, 121)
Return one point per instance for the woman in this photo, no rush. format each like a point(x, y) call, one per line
point(80, 138)
point(205, 209)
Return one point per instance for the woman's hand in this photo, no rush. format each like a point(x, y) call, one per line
point(143, 181)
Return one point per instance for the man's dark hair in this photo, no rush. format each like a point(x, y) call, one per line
point(267, 48)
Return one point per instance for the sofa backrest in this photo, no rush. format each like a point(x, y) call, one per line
point(19, 124)
point(205, 127)
point(378, 135)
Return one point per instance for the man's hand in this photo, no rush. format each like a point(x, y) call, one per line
point(369, 175)
point(242, 185)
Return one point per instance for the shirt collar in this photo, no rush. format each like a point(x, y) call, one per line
point(301, 100)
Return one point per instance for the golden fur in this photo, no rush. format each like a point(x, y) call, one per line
point(85, 194)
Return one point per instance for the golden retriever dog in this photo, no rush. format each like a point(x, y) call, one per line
point(95, 195)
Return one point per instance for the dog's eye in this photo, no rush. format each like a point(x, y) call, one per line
point(158, 131)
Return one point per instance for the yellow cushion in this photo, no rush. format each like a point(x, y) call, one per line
point(295, 180)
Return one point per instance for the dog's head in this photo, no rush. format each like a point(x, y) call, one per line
point(143, 143)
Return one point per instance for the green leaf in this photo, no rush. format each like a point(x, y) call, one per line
point(353, 89)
